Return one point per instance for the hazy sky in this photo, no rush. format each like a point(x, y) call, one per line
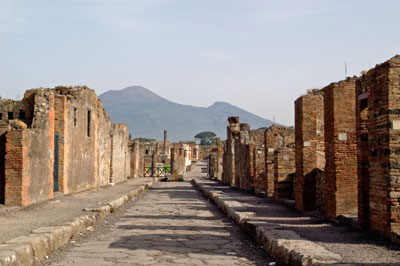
point(257, 54)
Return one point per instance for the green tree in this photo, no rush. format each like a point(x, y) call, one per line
point(206, 138)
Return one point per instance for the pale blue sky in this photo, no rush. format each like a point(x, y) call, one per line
point(258, 55)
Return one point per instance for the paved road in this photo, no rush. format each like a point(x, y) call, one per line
point(171, 224)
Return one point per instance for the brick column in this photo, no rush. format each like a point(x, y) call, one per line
point(309, 151)
point(340, 149)
point(383, 86)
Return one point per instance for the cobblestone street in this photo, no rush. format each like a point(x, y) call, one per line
point(171, 224)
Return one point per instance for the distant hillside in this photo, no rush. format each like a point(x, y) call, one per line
point(148, 114)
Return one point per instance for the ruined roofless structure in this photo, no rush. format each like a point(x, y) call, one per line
point(58, 140)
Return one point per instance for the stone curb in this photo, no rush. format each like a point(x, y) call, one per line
point(28, 250)
point(285, 246)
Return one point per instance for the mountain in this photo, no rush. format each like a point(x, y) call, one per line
point(148, 114)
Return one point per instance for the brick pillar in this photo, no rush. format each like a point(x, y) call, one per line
point(341, 197)
point(284, 168)
point(362, 152)
point(17, 180)
point(309, 145)
point(383, 86)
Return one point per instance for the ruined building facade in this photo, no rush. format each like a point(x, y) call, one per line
point(342, 157)
point(58, 140)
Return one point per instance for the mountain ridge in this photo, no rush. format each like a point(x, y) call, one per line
point(148, 114)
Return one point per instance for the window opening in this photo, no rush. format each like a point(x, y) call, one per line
point(21, 114)
point(88, 122)
point(75, 116)
point(10, 115)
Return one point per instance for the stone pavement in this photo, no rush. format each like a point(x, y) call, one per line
point(291, 237)
point(170, 224)
point(15, 222)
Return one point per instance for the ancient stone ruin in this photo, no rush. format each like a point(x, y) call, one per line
point(58, 140)
point(341, 158)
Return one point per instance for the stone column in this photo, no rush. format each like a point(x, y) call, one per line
point(153, 164)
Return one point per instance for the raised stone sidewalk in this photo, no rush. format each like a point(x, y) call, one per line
point(29, 234)
point(293, 238)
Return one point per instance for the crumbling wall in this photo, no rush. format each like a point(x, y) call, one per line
point(81, 132)
point(341, 197)
point(383, 85)
point(284, 169)
point(257, 138)
point(120, 166)
point(275, 137)
point(309, 143)
point(29, 160)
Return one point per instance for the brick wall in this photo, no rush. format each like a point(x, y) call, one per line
point(284, 169)
point(383, 86)
point(309, 139)
point(29, 160)
point(275, 137)
point(257, 138)
point(341, 197)
point(17, 181)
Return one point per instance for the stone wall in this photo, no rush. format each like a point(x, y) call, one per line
point(57, 140)
point(309, 143)
point(341, 197)
point(120, 161)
